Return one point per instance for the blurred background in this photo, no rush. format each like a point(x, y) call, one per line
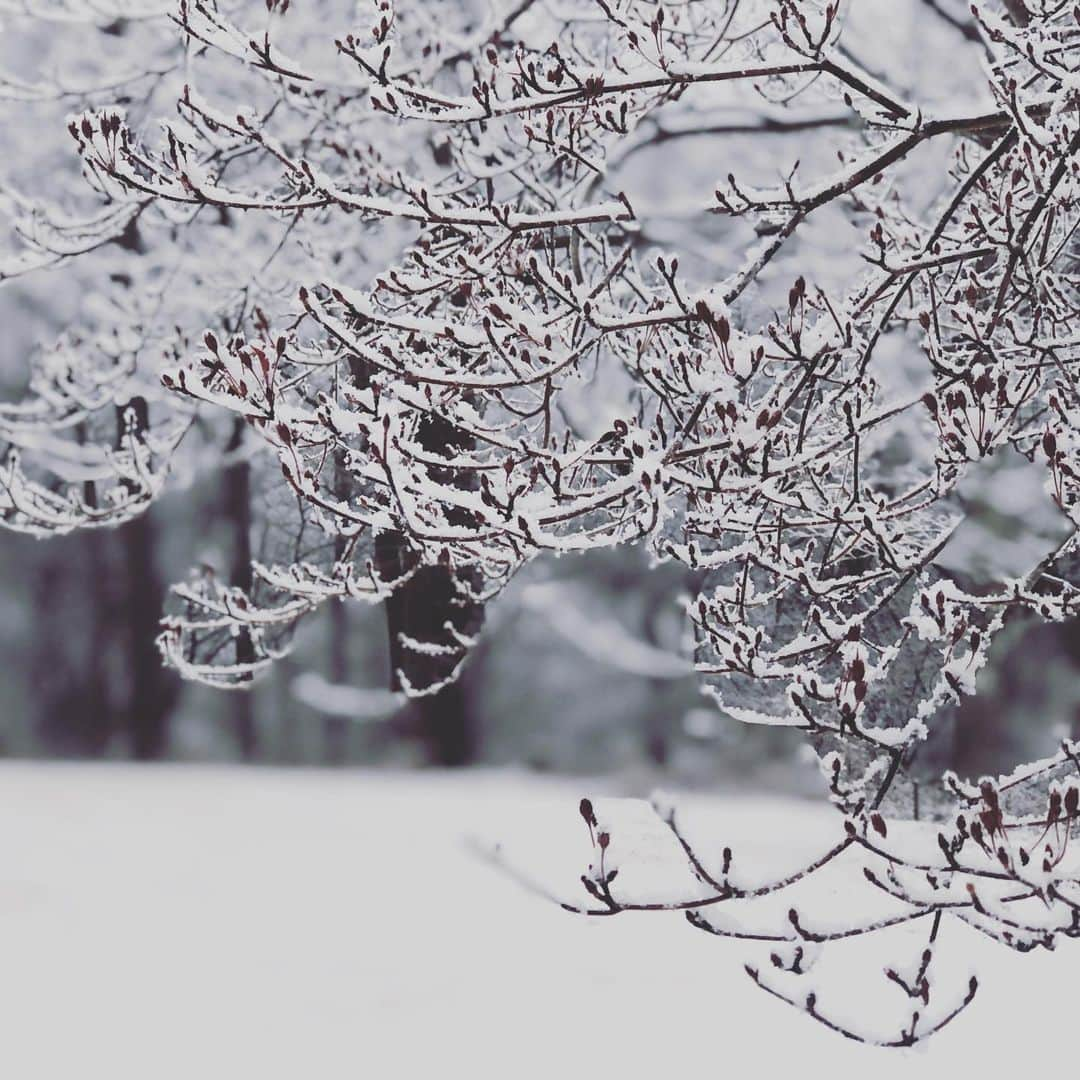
point(579, 667)
point(578, 671)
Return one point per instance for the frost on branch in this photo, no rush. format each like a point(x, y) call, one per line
point(392, 269)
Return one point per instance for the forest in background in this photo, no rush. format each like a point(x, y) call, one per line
point(601, 690)
point(578, 666)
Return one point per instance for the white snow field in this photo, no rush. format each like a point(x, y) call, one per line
point(205, 923)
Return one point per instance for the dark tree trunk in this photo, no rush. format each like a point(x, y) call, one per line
point(236, 496)
point(74, 630)
point(97, 719)
point(94, 715)
point(448, 726)
point(97, 672)
point(152, 692)
point(421, 609)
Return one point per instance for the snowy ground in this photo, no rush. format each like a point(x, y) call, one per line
point(211, 923)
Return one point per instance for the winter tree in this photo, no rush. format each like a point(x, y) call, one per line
point(386, 252)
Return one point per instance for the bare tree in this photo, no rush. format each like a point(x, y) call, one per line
point(799, 454)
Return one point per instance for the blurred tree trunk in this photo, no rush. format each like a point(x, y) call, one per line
point(151, 690)
point(70, 685)
point(72, 641)
point(289, 745)
point(236, 497)
point(95, 667)
point(421, 609)
point(97, 721)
